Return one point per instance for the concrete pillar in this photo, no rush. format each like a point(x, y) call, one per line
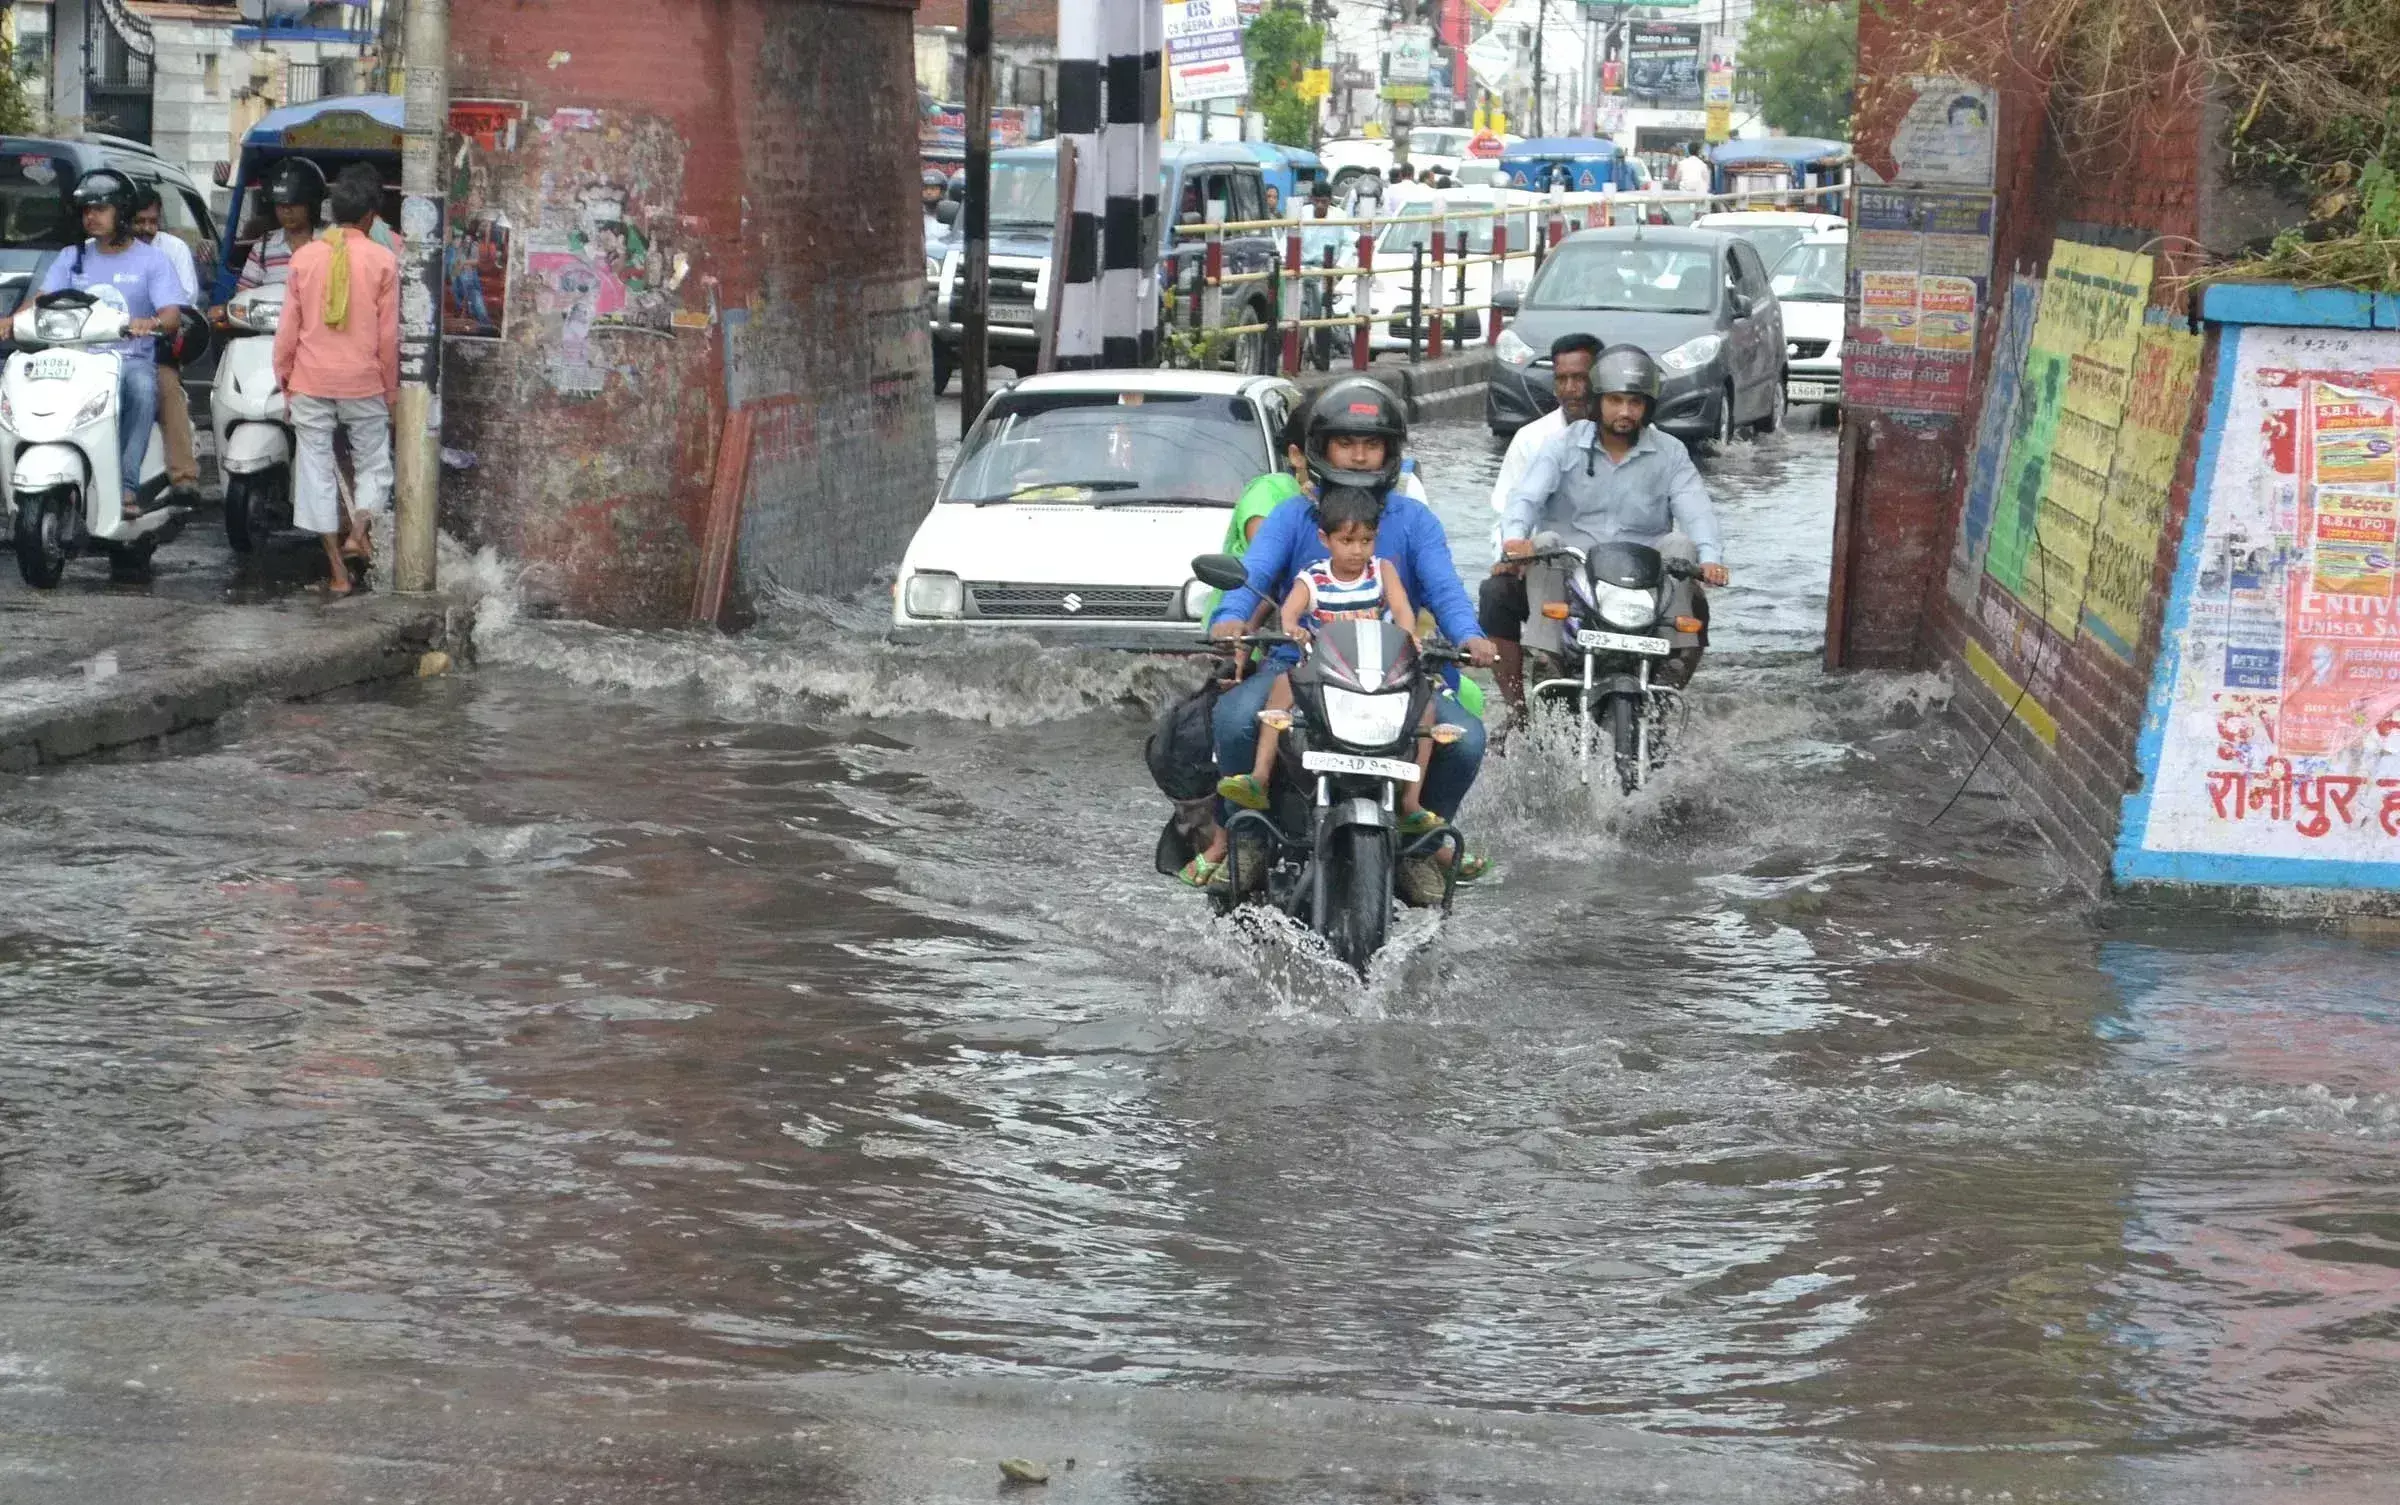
point(1108, 108)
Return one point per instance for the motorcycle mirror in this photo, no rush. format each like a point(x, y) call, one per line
point(1507, 299)
point(1222, 571)
point(947, 211)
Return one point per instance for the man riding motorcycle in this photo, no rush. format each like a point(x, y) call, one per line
point(1617, 479)
point(1353, 436)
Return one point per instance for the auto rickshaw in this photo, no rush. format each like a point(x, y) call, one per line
point(1778, 164)
point(333, 133)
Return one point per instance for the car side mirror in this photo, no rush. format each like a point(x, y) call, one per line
point(947, 211)
point(1507, 299)
point(1742, 307)
point(1223, 571)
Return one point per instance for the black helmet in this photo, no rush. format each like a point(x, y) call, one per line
point(934, 177)
point(1626, 368)
point(106, 185)
point(1356, 407)
point(296, 180)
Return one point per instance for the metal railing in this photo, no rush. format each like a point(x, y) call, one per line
point(1440, 311)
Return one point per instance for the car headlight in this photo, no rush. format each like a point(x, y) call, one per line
point(1512, 349)
point(933, 268)
point(1624, 608)
point(97, 408)
point(934, 595)
point(8, 412)
point(1196, 598)
point(1691, 355)
point(1365, 720)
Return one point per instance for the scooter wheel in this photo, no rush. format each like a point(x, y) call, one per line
point(42, 538)
point(242, 525)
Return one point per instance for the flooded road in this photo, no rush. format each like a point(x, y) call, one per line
point(660, 1067)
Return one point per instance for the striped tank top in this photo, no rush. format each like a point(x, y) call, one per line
point(1335, 600)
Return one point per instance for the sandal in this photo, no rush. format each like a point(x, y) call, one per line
point(1244, 790)
point(1418, 822)
point(1470, 867)
point(1200, 872)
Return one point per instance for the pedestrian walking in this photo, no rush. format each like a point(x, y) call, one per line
point(338, 355)
point(1691, 174)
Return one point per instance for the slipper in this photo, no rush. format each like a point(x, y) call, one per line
point(1470, 867)
point(1200, 872)
point(1418, 822)
point(1244, 790)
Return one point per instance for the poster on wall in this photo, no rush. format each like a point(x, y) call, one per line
point(1920, 267)
point(479, 252)
point(2271, 751)
point(1946, 137)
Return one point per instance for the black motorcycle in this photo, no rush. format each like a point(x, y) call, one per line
point(1332, 832)
point(1616, 619)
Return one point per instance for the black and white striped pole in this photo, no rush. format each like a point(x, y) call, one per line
point(1109, 86)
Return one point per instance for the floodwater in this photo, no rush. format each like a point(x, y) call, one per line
point(656, 1067)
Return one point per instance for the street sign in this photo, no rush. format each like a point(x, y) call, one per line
point(1720, 123)
point(1408, 63)
point(1316, 83)
point(1204, 50)
point(1491, 8)
point(1486, 146)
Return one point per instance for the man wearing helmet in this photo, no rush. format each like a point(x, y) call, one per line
point(1611, 477)
point(295, 191)
point(120, 269)
point(932, 184)
point(1352, 437)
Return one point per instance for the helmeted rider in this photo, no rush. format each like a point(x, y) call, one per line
point(1353, 436)
point(295, 193)
point(1613, 477)
point(933, 185)
point(121, 269)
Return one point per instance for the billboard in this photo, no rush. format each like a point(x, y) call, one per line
point(1662, 62)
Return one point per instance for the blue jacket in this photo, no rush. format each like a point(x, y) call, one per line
point(1410, 536)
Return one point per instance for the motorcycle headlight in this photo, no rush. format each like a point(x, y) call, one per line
point(1365, 720)
point(262, 317)
point(1196, 596)
point(1691, 355)
point(59, 323)
point(1625, 609)
point(97, 408)
point(934, 595)
point(1512, 349)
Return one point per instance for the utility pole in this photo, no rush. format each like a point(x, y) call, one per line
point(1541, 30)
point(1404, 114)
point(975, 342)
point(417, 457)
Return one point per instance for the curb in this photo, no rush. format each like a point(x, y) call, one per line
point(76, 716)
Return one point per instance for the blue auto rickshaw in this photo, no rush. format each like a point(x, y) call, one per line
point(1591, 164)
point(333, 133)
point(1781, 164)
point(1286, 169)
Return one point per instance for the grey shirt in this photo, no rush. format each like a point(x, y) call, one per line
point(1574, 489)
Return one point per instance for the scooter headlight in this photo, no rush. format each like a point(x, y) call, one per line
point(934, 595)
point(8, 411)
point(1625, 609)
point(263, 317)
point(1365, 720)
point(60, 324)
point(97, 408)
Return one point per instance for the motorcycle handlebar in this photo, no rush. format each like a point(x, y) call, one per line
point(1681, 569)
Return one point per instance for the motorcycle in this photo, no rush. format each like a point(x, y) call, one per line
point(1332, 832)
point(253, 420)
point(1620, 618)
point(58, 443)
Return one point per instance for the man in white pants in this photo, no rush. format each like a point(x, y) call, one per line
point(1571, 359)
point(338, 355)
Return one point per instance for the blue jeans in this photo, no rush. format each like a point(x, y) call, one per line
point(1447, 778)
point(137, 414)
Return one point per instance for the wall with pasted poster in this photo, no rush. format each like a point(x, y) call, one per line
point(2270, 753)
point(646, 186)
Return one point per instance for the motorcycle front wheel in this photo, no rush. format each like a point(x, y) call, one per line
point(42, 531)
point(1622, 717)
point(1358, 894)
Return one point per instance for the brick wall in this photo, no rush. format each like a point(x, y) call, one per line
point(672, 193)
point(1012, 20)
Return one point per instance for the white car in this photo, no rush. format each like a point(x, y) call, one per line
point(1079, 500)
point(1813, 283)
point(1396, 246)
point(1772, 231)
point(1429, 147)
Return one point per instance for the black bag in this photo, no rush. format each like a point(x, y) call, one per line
point(1182, 750)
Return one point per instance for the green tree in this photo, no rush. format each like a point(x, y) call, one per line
point(16, 100)
point(1282, 44)
point(1801, 59)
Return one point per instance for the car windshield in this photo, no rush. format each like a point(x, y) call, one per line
point(1111, 448)
point(1400, 239)
point(33, 202)
point(1628, 275)
point(1773, 241)
point(1025, 193)
point(1813, 274)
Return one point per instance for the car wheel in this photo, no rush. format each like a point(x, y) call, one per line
point(1721, 434)
point(1778, 405)
point(1254, 354)
point(943, 362)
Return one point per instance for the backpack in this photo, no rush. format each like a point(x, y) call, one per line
point(1182, 747)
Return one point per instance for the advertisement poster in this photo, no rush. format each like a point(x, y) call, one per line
point(2272, 748)
point(2158, 403)
point(1993, 428)
point(1945, 139)
point(1887, 306)
point(480, 247)
point(1662, 62)
point(1204, 51)
point(1932, 253)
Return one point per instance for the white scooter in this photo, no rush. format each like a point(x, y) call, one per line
point(253, 420)
point(58, 443)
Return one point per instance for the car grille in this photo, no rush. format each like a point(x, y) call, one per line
point(1808, 350)
point(1012, 290)
point(1122, 603)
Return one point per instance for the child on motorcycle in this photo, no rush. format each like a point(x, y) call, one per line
point(1351, 584)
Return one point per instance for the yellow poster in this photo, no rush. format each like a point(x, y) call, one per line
point(1887, 303)
point(2355, 535)
point(1945, 313)
point(2354, 436)
point(2158, 410)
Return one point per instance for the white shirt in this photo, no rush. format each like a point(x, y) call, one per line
point(1521, 450)
point(181, 256)
point(1691, 176)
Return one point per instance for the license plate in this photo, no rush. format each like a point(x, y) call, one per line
point(1808, 391)
point(49, 368)
point(1618, 642)
point(1374, 768)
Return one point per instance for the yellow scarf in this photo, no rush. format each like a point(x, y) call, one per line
point(337, 279)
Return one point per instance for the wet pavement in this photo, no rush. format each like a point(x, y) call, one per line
point(665, 1067)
